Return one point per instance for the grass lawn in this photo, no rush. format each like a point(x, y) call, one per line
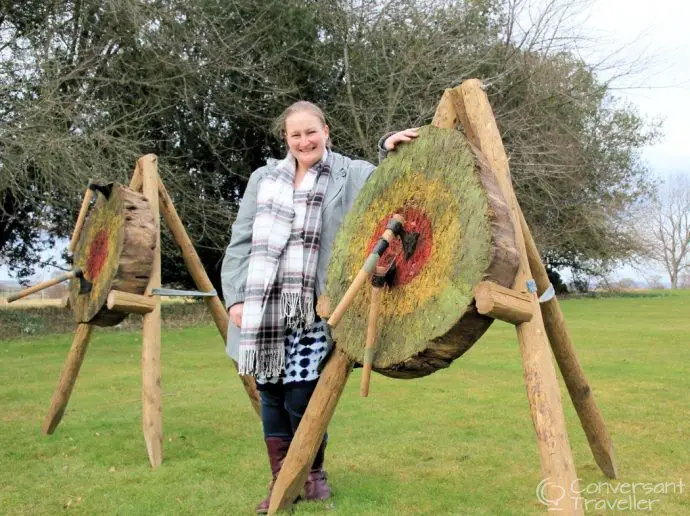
point(458, 442)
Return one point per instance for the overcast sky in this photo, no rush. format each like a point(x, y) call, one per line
point(655, 36)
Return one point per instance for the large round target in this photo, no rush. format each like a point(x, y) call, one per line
point(115, 252)
point(449, 197)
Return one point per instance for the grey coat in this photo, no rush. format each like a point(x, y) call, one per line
point(347, 178)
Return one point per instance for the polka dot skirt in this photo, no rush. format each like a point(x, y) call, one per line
point(304, 351)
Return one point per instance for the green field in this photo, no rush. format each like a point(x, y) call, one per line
point(457, 442)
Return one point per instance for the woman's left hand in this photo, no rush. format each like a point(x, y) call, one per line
point(402, 136)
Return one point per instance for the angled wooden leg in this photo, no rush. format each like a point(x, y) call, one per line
point(311, 430)
point(203, 283)
point(152, 415)
point(68, 378)
point(563, 349)
point(546, 407)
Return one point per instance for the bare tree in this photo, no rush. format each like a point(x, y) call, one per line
point(654, 281)
point(666, 229)
point(684, 281)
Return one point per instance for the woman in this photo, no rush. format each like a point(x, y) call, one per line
point(275, 269)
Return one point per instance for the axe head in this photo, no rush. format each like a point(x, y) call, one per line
point(384, 275)
point(85, 285)
point(409, 243)
point(104, 188)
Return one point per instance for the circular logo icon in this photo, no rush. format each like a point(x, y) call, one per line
point(550, 494)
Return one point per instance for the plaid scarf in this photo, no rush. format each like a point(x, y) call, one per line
point(282, 267)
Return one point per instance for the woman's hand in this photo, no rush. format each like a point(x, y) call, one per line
point(235, 313)
point(402, 136)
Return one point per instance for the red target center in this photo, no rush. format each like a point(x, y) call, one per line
point(98, 253)
point(416, 221)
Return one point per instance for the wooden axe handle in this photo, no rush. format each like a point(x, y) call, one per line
point(370, 346)
point(42, 286)
point(362, 276)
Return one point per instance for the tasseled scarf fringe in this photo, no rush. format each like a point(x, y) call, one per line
point(297, 310)
point(271, 361)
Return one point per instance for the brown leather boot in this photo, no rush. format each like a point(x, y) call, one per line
point(316, 487)
point(277, 450)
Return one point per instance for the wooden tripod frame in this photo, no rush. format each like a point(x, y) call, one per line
point(145, 179)
point(537, 325)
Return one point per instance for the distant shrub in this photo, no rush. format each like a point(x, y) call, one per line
point(31, 321)
point(601, 294)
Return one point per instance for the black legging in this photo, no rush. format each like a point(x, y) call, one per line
point(282, 407)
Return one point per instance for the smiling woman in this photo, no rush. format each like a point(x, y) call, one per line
point(275, 269)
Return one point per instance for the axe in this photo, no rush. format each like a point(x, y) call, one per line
point(84, 285)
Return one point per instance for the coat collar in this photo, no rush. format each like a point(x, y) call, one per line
point(337, 179)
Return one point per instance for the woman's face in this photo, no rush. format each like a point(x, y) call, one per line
point(306, 137)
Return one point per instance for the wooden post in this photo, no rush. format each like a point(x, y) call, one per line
point(130, 303)
point(544, 397)
point(310, 432)
point(136, 182)
point(445, 116)
point(68, 378)
point(198, 273)
point(563, 349)
point(88, 196)
point(152, 417)
point(502, 303)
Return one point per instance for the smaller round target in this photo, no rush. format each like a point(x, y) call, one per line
point(114, 252)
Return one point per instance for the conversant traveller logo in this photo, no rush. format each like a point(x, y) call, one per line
point(608, 496)
point(550, 494)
